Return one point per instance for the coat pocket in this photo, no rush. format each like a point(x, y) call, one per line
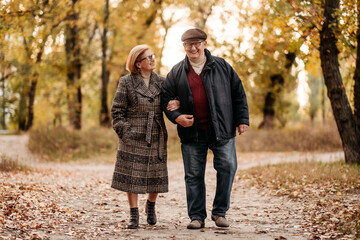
point(127, 134)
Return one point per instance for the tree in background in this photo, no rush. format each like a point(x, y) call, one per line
point(280, 47)
point(73, 66)
point(5, 73)
point(316, 87)
point(200, 11)
point(269, 62)
point(338, 28)
point(61, 50)
point(104, 116)
point(33, 23)
point(345, 119)
point(166, 23)
point(314, 99)
point(357, 75)
point(139, 26)
point(145, 23)
point(54, 49)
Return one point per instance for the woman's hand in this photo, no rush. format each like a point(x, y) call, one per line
point(173, 105)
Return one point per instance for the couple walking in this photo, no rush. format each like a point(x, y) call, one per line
point(204, 96)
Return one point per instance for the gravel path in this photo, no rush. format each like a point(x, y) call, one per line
point(75, 201)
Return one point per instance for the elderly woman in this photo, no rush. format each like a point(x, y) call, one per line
point(138, 121)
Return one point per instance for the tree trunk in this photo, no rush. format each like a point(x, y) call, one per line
point(3, 103)
point(24, 89)
point(31, 97)
point(73, 68)
point(105, 73)
point(357, 76)
point(22, 106)
point(201, 10)
point(3, 78)
point(166, 28)
point(32, 92)
point(277, 85)
point(205, 12)
point(156, 5)
point(344, 117)
point(269, 111)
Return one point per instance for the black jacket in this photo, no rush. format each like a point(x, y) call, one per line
point(225, 92)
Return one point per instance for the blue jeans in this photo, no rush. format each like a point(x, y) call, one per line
point(225, 163)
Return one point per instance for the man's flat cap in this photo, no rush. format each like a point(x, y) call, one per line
point(192, 34)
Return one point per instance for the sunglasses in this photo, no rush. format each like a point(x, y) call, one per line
point(148, 58)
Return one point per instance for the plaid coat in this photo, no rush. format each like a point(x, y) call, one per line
point(141, 162)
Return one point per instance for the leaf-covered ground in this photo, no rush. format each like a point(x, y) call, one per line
point(75, 201)
point(328, 192)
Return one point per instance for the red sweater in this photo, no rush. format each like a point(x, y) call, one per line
point(201, 104)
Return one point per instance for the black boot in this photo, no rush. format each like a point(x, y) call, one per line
point(150, 211)
point(134, 218)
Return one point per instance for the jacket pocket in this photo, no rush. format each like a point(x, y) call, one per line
point(127, 135)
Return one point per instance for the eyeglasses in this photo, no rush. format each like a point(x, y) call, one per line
point(148, 58)
point(188, 46)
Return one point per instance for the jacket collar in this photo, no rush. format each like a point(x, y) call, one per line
point(209, 61)
point(140, 86)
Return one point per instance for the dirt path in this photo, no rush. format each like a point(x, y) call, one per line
point(75, 201)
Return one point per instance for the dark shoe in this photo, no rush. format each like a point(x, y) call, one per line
point(134, 218)
point(196, 224)
point(150, 211)
point(220, 221)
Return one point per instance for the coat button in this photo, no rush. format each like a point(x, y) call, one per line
point(149, 144)
point(151, 100)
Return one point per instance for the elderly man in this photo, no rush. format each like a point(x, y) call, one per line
point(212, 105)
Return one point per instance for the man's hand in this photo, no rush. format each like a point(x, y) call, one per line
point(242, 128)
point(173, 105)
point(185, 120)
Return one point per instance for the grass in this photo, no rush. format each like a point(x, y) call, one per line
point(329, 192)
point(308, 137)
point(8, 164)
point(96, 144)
point(62, 144)
point(300, 177)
